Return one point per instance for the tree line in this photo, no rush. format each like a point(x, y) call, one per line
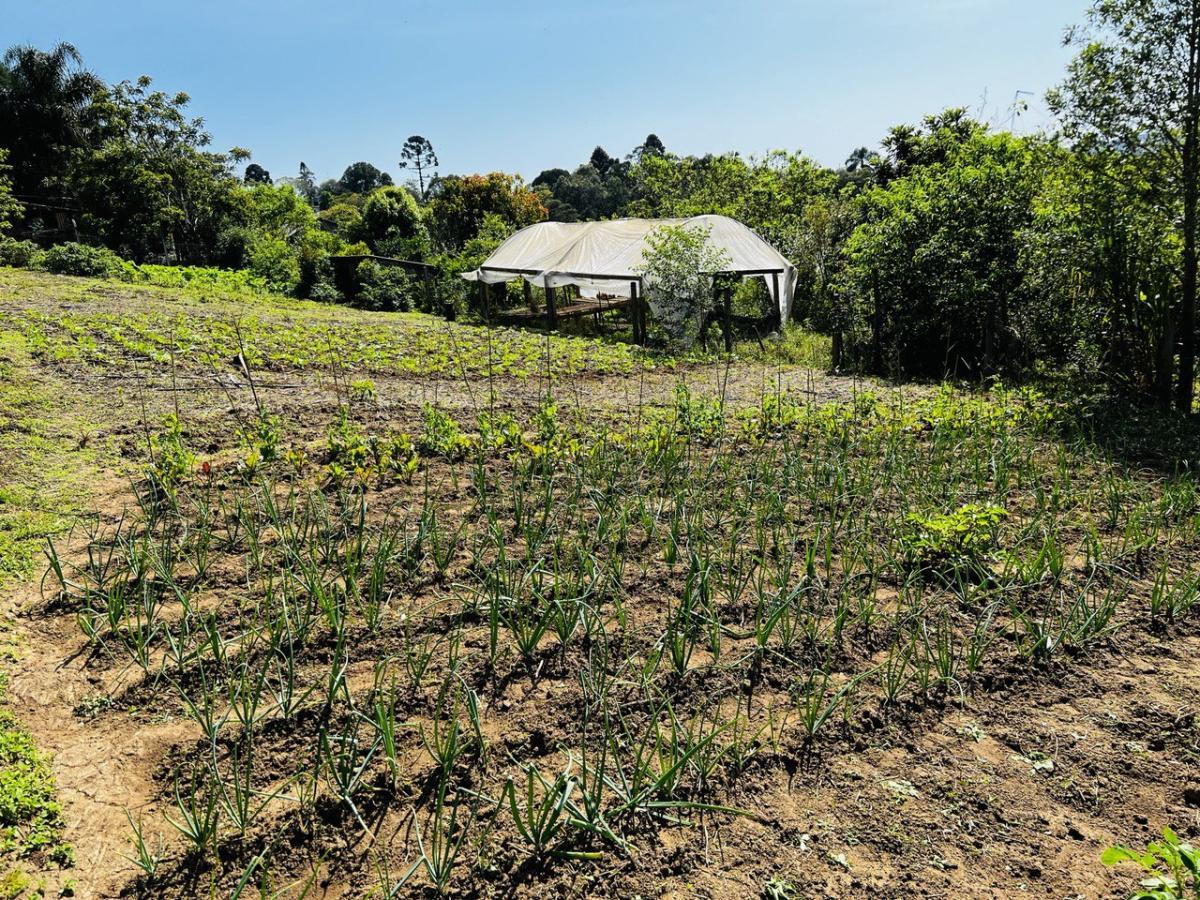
point(952, 248)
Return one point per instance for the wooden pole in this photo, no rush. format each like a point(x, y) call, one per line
point(876, 327)
point(525, 286)
point(778, 313)
point(635, 314)
point(551, 309)
point(485, 300)
point(727, 315)
point(427, 284)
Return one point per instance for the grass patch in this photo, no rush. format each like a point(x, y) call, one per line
point(42, 464)
point(795, 346)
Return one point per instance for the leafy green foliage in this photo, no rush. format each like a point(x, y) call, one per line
point(392, 224)
point(146, 182)
point(205, 280)
point(1134, 88)
point(677, 268)
point(460, 205)
point(172, 461)
point(1173, 864)
point(80, 259)
point(963, 536)
point(203, 330)
point(30, 816)
point(19, 254)
point(389, 288)
point(10, 207)
point(45, 98)
point(440, 434)
point(270, 259)
point(934, 268)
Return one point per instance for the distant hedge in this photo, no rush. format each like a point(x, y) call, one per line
point(99, 262)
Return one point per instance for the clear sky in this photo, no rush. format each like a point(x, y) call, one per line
point(522, 86)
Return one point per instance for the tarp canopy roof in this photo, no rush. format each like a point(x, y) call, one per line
point(602, 257)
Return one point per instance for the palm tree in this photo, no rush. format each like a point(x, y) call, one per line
point(44, 97)
point(862, 158)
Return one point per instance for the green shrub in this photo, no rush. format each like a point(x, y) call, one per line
point(171, 460)
point(81, 259)
point(387, 288)
point(18, 254)
point(963, 536)
point(30, 815)
point(323, 291)
point(276, 263)
point(441, 435)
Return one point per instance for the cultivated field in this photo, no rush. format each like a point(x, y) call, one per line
point(341, 604)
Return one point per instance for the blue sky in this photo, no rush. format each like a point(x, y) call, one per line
point(521, 86)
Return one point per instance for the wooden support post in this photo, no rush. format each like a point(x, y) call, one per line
point(778, 313)
point(427, 284)
point(528, 295)
point(727, 315)
point(635, 314)
point(485, 300)
point(876, 327)
point(551, 309)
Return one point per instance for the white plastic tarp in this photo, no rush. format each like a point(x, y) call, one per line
point(602, 257)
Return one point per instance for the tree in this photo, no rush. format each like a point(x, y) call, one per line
point(601, 161)
point(861, 158)
point(305, 184)
point(362, 178)
point(814, 243)
point(150, 187)
point(256, 174)
point(459, 204)
point(1102, 255)
point(934, 274)
point(45, 97)
point(651, 146)
point(1135, 87)
point(392, 224)
point(10, 207)
point(417, 154)
point(549, 178)
point(678, 267)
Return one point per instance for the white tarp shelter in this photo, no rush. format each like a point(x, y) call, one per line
point(602, 257)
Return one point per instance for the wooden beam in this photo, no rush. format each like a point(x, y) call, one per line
point(528, 290)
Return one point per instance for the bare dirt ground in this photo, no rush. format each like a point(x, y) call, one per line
point(1011, 790)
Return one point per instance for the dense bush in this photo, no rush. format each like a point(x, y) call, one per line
point(387, 288)
point(934, 270)
point(20, 254)
point(392, 224)
point(80, 259)
point(272, 260)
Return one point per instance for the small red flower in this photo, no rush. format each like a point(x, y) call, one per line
point(205, 468)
